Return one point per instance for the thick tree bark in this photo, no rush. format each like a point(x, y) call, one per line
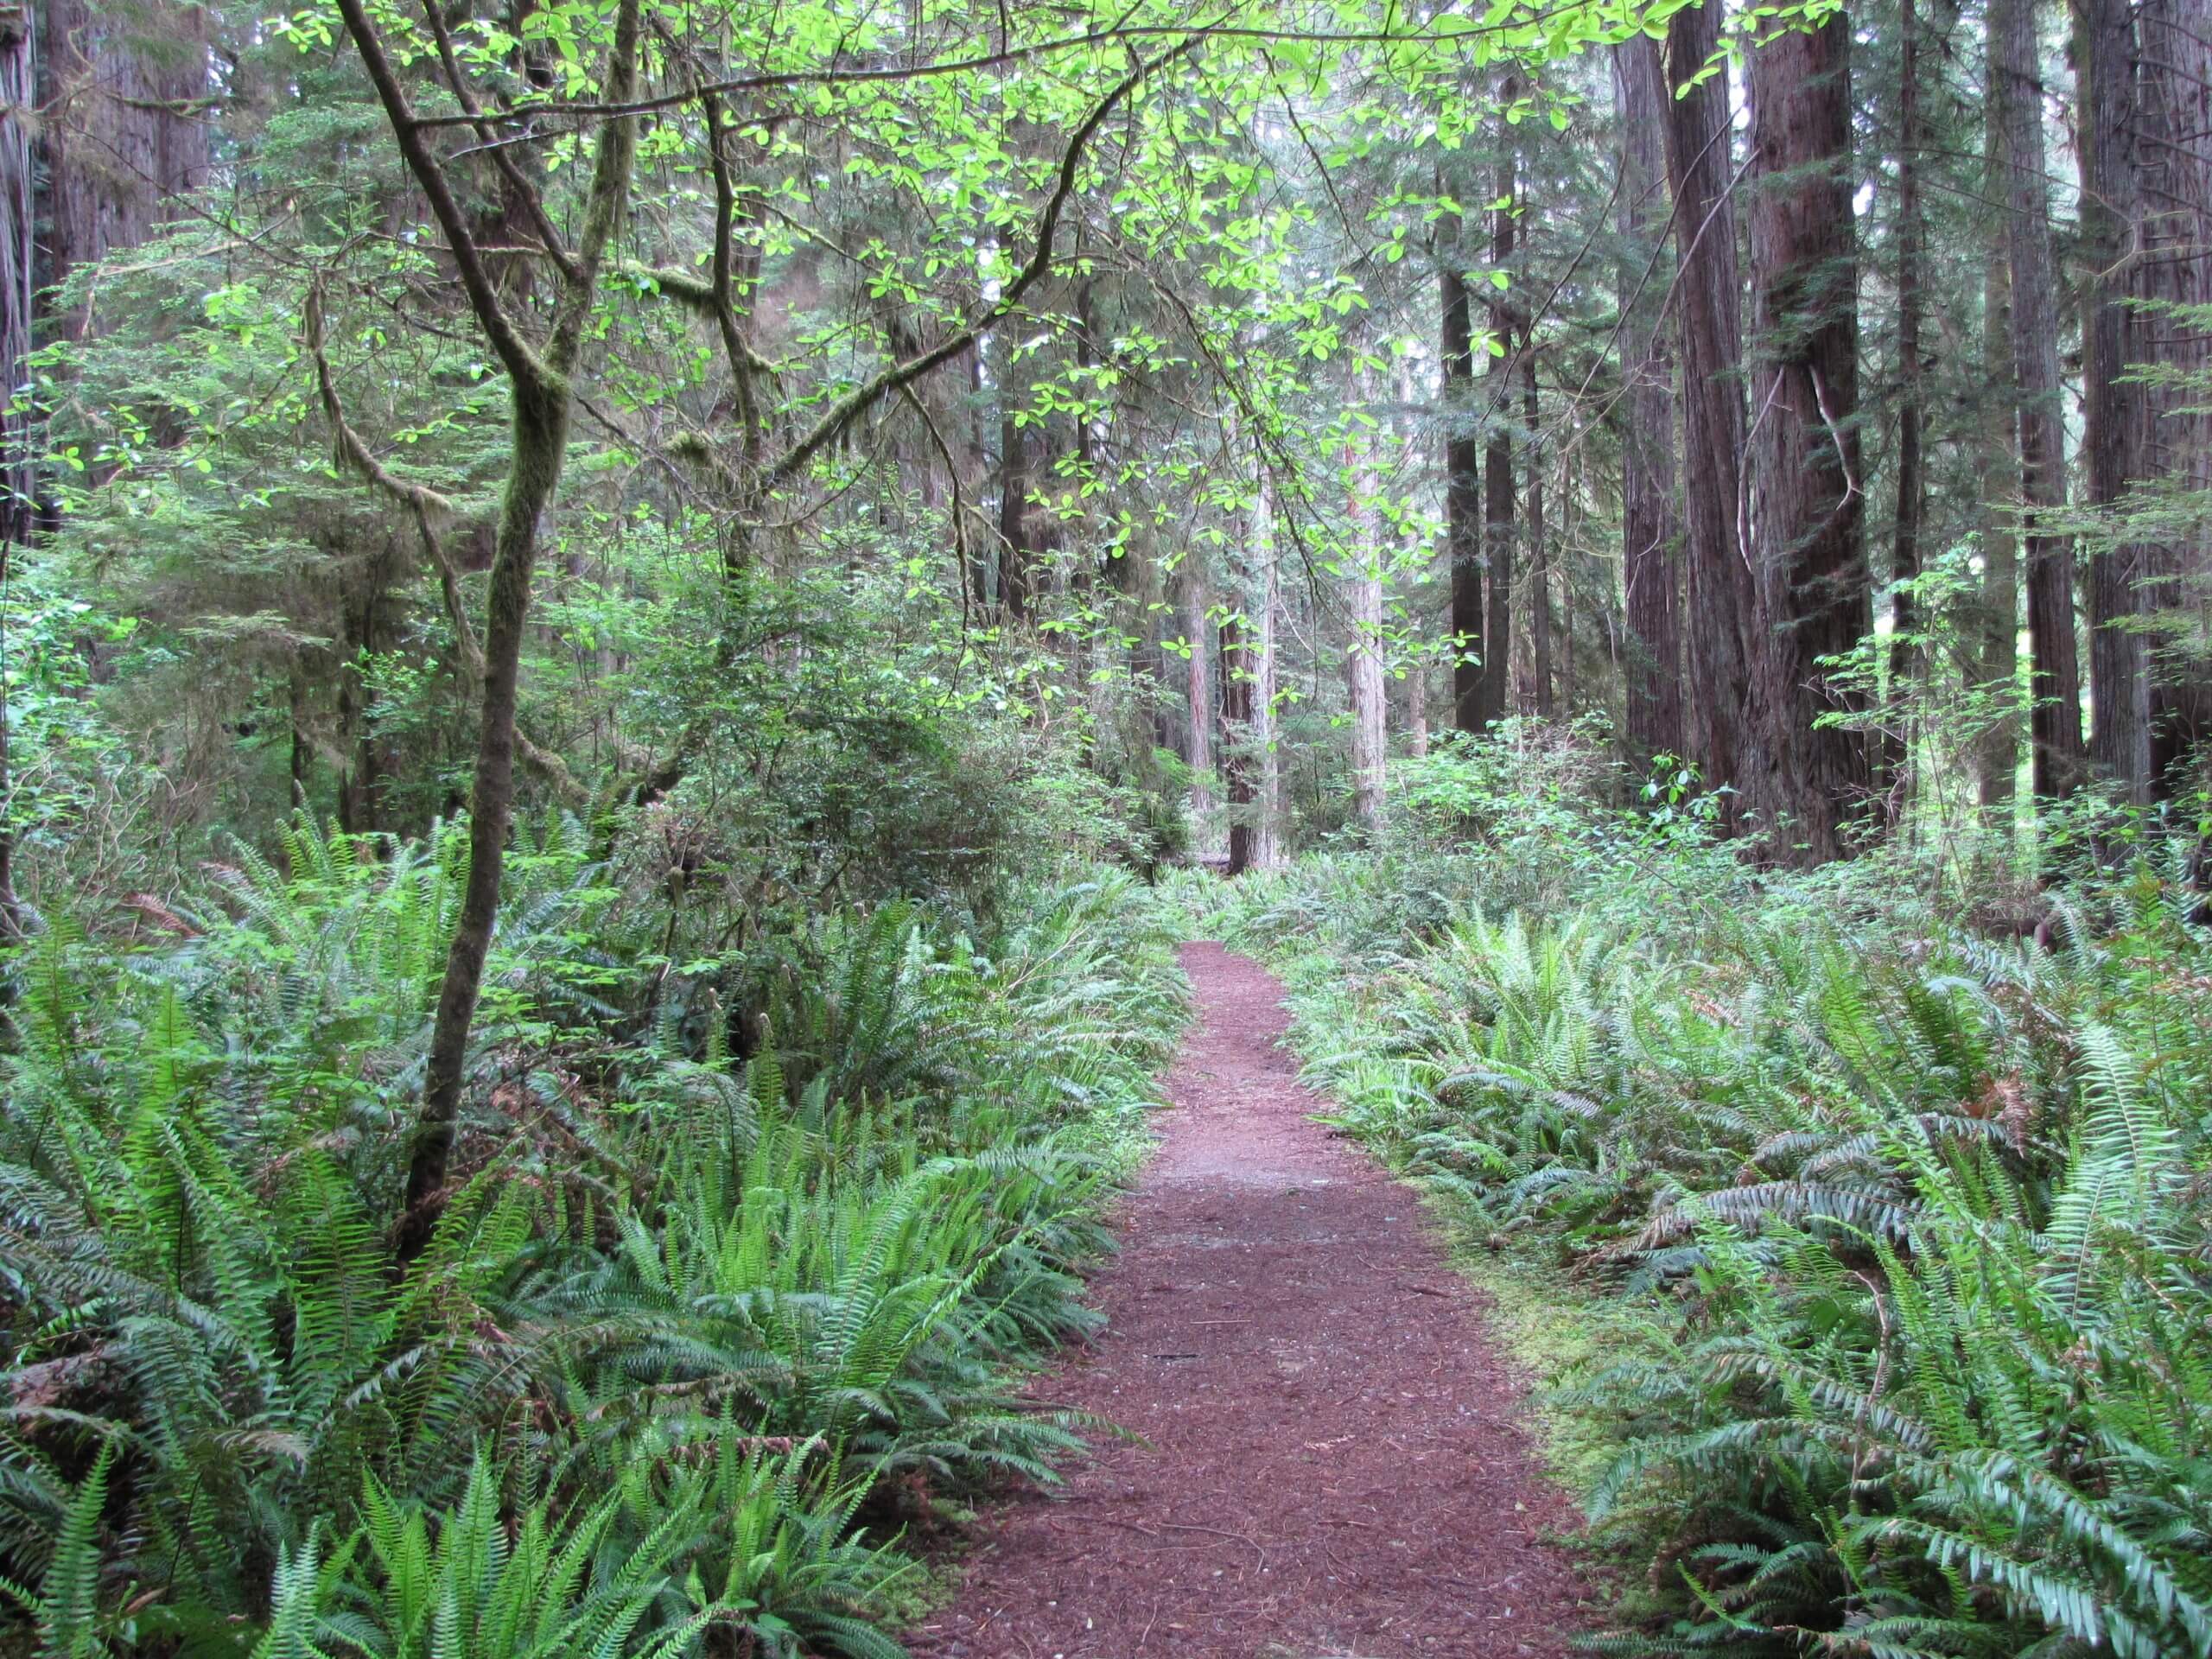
point(123, 130)
point(1911, 485)
point(1720, 621)
point(1463, 468)
point(2174, 147)
point(1650, 528)
point(2055, 721)
point(1498, 481)
point(1807, 514)
point(2115, 435)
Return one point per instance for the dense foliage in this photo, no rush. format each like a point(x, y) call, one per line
point(608, 609)
point(697, 1337)
point(1906, 1224)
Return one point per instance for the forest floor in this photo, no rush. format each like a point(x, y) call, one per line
point(1330, 1462)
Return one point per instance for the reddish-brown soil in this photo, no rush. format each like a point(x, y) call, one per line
point(1330, 1463)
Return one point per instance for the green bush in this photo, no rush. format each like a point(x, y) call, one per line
point(696, 1335)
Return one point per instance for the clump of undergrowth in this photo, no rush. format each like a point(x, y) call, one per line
point(1912, 1222)
point(698, 1338)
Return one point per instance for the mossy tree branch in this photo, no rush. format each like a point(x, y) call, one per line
point(542, 397)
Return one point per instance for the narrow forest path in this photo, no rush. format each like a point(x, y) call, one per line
point(1331, 1464)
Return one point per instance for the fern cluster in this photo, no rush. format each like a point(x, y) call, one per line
point(696, 1335)
point(1919, 1221)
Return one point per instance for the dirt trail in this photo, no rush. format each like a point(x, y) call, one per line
point(1331, 1465)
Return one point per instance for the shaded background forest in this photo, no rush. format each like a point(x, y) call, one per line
point(1499, 390)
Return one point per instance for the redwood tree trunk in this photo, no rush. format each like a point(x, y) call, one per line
point(1808, 513)
point(1720, 622)
point(2055, 721)
point(2115, 435)
point(121, 128)
point(1651, 528)
point(2174, 146)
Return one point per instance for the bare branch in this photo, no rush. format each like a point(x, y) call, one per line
point(522, 363)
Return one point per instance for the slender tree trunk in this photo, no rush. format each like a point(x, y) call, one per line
point(2055, 721)
point(2115, 436)
point(1650, 530)
point(361, 790)
point(297, 693)
point(1237, 742)
point(1720, 613)
point(980, 565)
point(1540, 574)
point(1266, 832)
point(1364, 657)
point(1417, 710)
point(1017, 548)
point(1998, 750)
point(2174, 150)
point(1808, 512)
point(1197, 632)
point(18, 456)
point(1498, 482)
point(1463, 465)
point(541, 393)
point(1911, 487)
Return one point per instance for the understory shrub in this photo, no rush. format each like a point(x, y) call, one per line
point(697, 1336)
point(1916, 1221)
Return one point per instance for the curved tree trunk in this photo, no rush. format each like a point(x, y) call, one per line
point(541, 392)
